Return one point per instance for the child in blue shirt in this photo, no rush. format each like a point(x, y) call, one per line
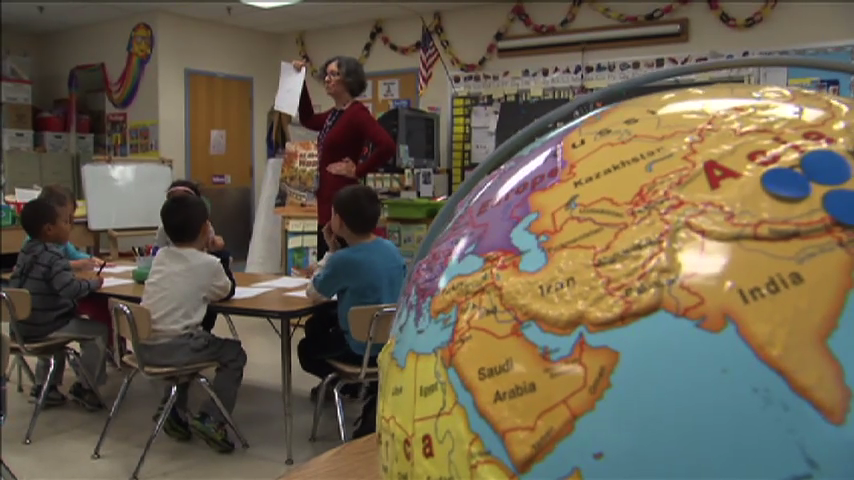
point(63, 199)
point(370, 271)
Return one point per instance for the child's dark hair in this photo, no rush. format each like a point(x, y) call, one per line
point(359, 208)
point(183, 218)
point(59, 196)
point(36, 214)
point(184, 184)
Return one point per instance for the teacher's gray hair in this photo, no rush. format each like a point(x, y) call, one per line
point(352, 74)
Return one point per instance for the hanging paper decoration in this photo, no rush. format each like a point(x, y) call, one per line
point(749, 22)
point(122, 92)
point(518, 12)
point(543, 28)
point(651, 16)
point(376, 30)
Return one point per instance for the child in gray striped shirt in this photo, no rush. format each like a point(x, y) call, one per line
point(44, 270)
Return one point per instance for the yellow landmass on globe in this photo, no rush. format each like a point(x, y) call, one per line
point(428, 435)
point(622, 232)
point(529, 399)
point(785, 310)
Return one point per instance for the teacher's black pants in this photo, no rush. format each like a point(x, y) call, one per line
point(322, 247)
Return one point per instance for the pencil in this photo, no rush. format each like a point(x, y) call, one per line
point(102, 268)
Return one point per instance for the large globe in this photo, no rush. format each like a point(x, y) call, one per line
point(660, 290)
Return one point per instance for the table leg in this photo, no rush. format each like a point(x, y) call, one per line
point(286, 338)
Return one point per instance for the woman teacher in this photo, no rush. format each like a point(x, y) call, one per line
point(345, 131)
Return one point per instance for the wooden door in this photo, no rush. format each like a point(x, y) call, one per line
point(219, 113)
point(404, 88)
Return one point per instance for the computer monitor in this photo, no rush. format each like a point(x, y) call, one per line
point(416, 135)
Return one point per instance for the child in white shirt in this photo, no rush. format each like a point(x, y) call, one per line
point(182, 282)
point(215, 245)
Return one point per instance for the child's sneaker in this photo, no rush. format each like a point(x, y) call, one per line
point(55, 398)
point(213, 433)
point(175, 426)
point(85, 397)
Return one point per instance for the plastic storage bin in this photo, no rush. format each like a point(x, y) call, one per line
point(412, 208)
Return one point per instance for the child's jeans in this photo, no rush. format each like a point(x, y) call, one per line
point(92, 352)
point(200, 347)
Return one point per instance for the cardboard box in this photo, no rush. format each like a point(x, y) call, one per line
point(17, 116)
point(20, 92)
point(52, 142)
point(86, 143)
point(17, 140)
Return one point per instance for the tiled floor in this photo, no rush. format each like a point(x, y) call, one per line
point(65, 437)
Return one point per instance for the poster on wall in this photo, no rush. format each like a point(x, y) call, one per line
point(143, 139)
point(299, 175)
point(389, 89)
point(217, 146)
point(369, 91)
point(117, 134)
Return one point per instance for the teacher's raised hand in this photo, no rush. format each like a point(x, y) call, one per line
point(345, 168)
point(298, 64)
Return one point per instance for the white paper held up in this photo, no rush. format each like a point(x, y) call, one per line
point(290, 89)
point(248, 292)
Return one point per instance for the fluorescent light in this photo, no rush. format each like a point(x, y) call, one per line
point(594, 36)
point(263, 4)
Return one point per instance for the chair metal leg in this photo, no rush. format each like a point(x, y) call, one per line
point(231, 326)
point(41, 400)
point(24, 367)
point(206, 384)
point(20, 387)
point(274, 327)
point(123, 390)
point(173, 396)
point(5, 472)
point(318, 404)
point(76, 365)
point(339, 411)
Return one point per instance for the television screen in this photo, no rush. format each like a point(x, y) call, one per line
point(420, 139)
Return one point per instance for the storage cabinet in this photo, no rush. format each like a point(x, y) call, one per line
point(25, 169)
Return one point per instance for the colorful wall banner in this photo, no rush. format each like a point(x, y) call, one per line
point(121, 92)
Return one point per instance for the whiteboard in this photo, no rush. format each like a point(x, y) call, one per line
point(125, 195)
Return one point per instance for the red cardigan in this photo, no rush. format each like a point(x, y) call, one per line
point(347, 138)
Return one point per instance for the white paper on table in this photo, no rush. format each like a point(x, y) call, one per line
point(482, 144)
point(115, 269)
point(248, 292)
point(290, 89)
point(283, 282)
point(113, 282)
point(303, 294)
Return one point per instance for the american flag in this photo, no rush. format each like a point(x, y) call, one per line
point(429, 57)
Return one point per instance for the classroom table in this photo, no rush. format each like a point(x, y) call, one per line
point(355, 460)
point(273, 304)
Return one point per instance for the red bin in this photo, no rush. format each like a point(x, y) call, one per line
point(84, 124)
point(48, 122)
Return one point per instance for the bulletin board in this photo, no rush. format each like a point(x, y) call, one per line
point(483, 122)
point(388, 90)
